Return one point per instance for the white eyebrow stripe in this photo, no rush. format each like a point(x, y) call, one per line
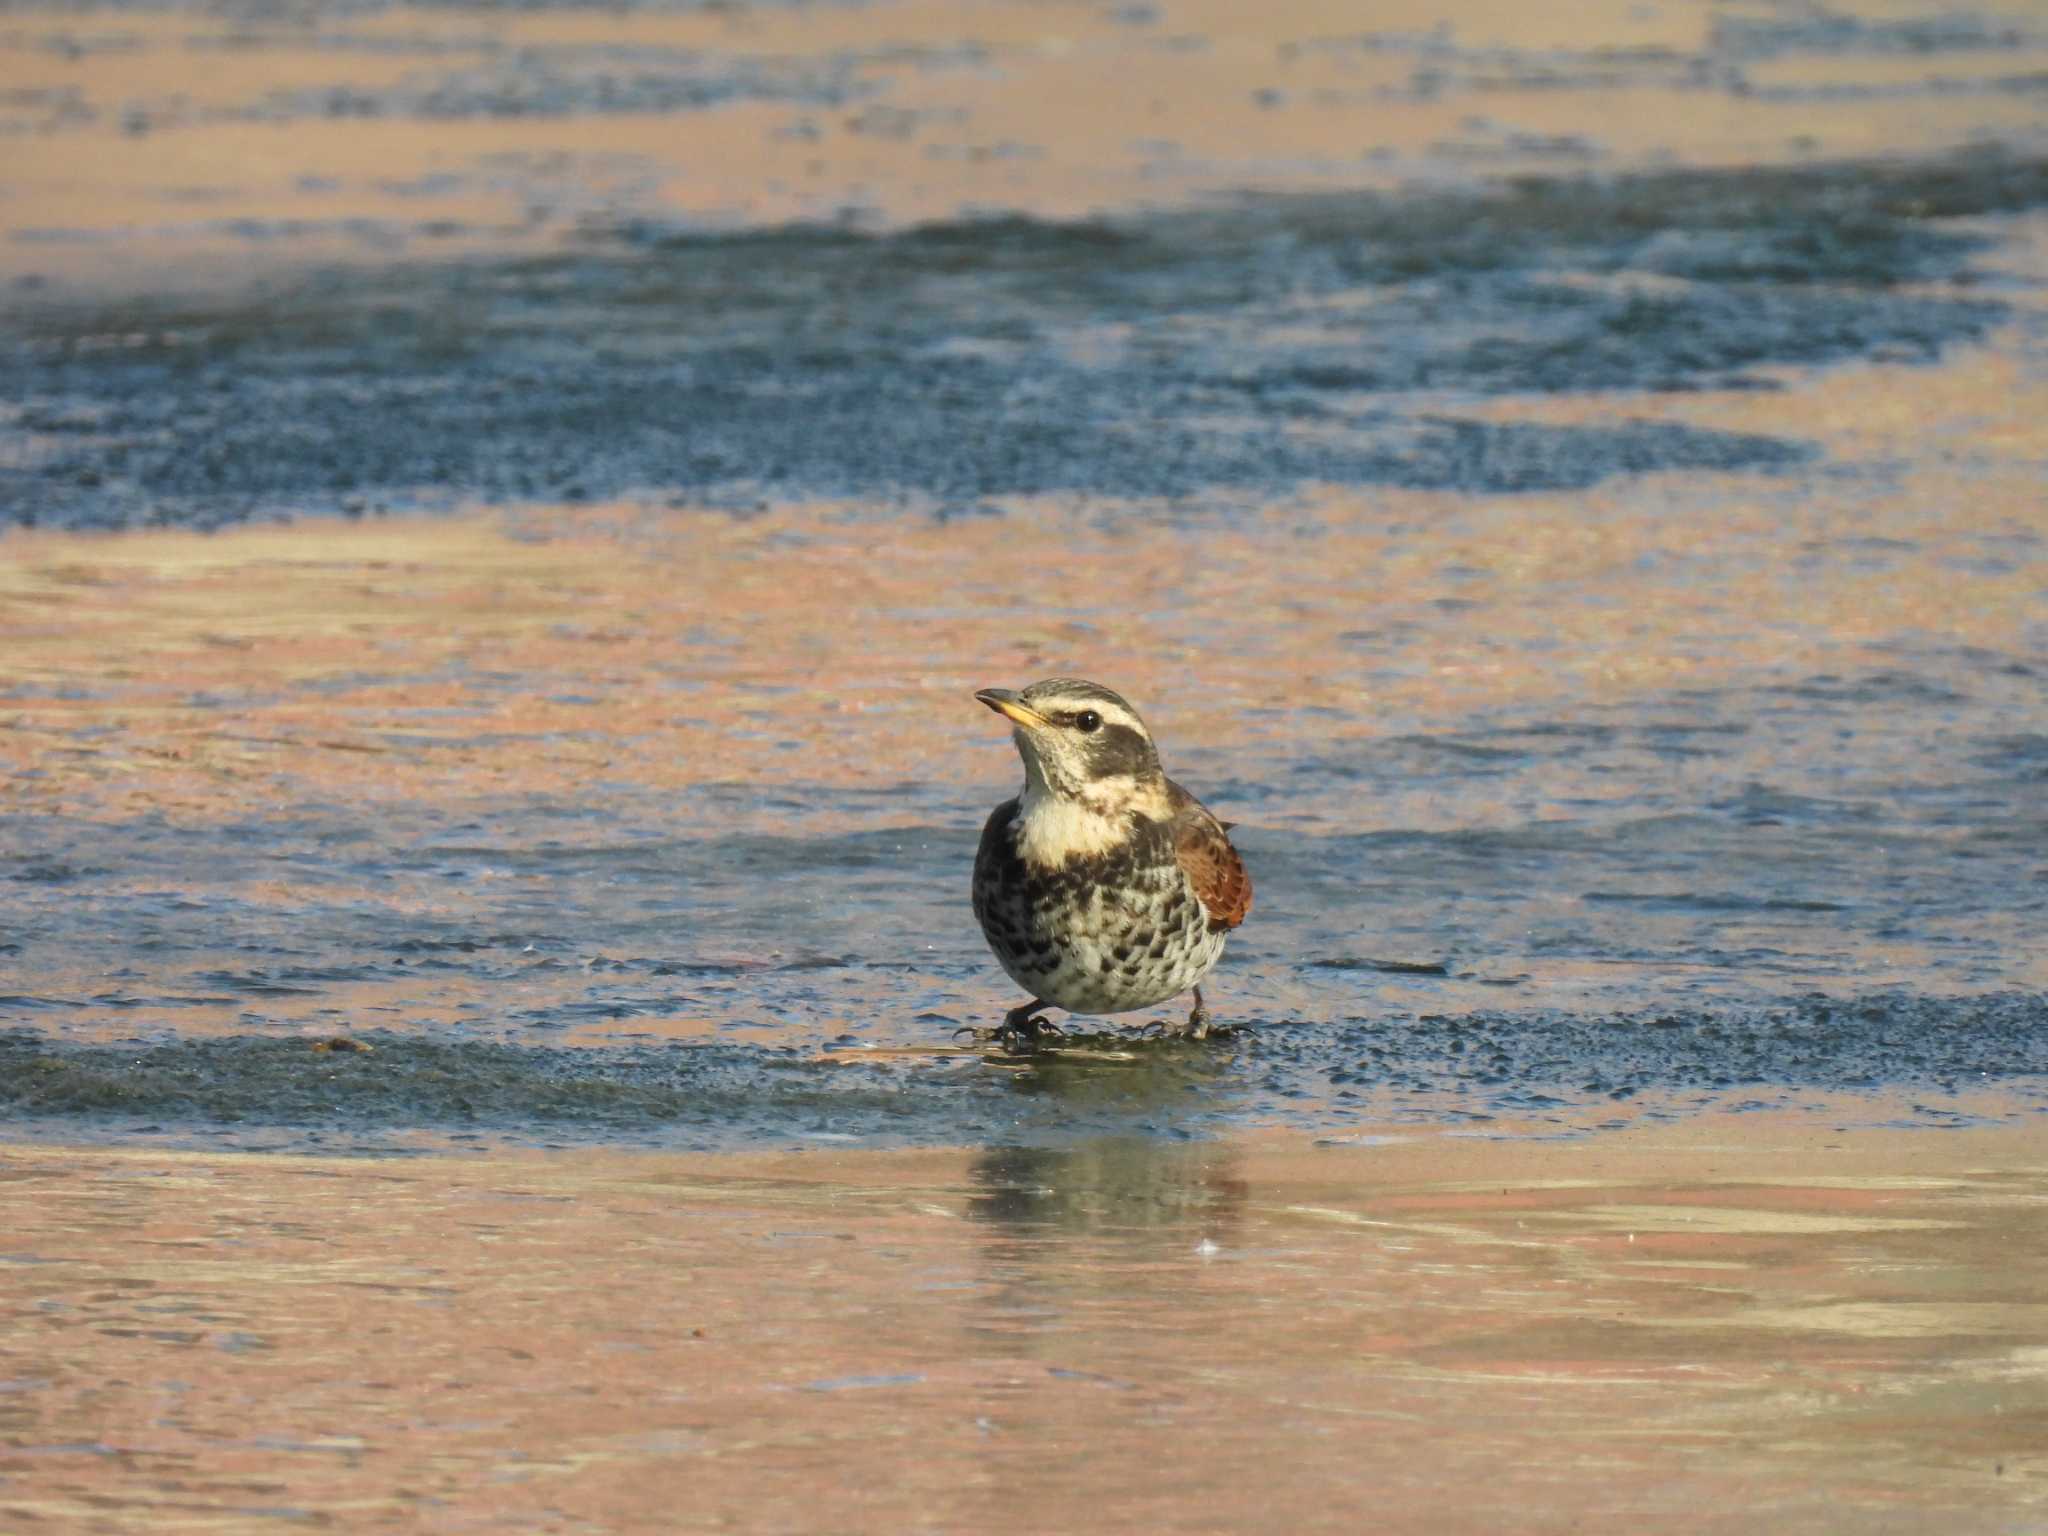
point(1073, 704)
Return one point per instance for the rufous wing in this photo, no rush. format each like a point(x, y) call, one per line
point(1212, 865)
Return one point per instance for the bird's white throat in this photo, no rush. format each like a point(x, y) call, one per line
point(1054, 828)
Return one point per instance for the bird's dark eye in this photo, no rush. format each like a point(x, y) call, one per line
point(1087, 721)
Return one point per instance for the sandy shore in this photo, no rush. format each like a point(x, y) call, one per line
point(1795, 1322)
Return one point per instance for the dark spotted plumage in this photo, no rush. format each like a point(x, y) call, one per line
point(1104, 886)
point(1100, 933)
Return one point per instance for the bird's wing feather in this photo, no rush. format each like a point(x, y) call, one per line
point(1211, 864)
point(995, 854)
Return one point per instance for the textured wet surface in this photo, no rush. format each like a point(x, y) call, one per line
point(502, 514)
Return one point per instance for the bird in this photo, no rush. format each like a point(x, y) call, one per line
point(1102, 886)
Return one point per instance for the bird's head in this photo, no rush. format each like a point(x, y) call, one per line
point(1080, 742)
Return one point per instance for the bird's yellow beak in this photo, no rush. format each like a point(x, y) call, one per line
point(1004, 702)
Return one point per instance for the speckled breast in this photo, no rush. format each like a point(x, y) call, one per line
point(1101, 933)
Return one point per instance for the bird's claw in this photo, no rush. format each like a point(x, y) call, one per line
point(1201, 1027)
point(1017, 1037)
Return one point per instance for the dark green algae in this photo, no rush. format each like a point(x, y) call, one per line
point(1224, 354)
point(1919, 1059)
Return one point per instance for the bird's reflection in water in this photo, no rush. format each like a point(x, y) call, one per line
point(1128, 1193)
point(1151, 1186)
point(1090, 1233)
point(1089, 1244)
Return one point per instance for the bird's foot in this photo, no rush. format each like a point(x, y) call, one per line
point(1020, 1037)
point(1202, 1029)
point(1022, 1031)
point(1199, 1025)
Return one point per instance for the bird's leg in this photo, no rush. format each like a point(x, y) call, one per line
point(1199, 1027)
point(1022, 1029)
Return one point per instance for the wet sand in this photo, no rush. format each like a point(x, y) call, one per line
point(1796, 1322)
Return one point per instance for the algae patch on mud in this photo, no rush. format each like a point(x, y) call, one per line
point(1239, 352)
point(1930, 1059)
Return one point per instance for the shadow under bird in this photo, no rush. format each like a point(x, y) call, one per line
point(1103, 886)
